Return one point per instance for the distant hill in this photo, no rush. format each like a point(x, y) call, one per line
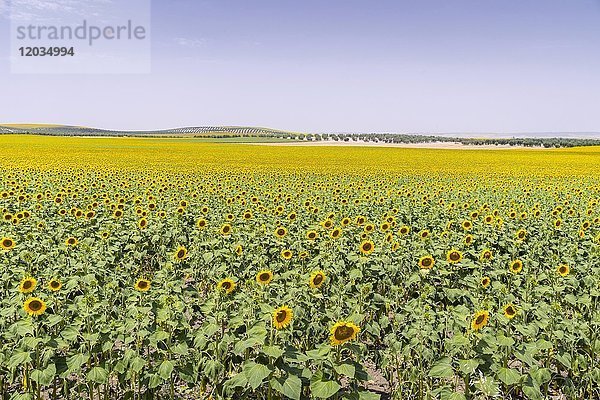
point(543, 139)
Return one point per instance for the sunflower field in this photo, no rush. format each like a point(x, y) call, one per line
point(180, 269)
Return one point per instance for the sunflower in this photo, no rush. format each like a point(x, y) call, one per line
point(563, 270)
point(7, 243)
point(227, 285)
point(343, 331)
point(201, 223)
point(264, 277)
point(521, 233)
point(239, 249)
point(468, 240)
point(558, 223)
point(27, 285)
point(142, 285)
point(454, 256)
point(424, 234)
point(480, 319)
point(317, 279)
point(336, 233)
point(467, 225)
point(71, 241)
point(312, 235)
point(225, 230)
point(510, 311)
point(426, 262)
point(286, 254)
point(516, 266)
point(486, 255)
point(280, 232)
point(180, 253)
point(54, 285)
point(282, 317)
point(404, 230)
point(366, 247)
point(143, 223)
point(34, 306)
point(485, 281)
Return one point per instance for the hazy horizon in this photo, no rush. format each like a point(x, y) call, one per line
point(392, 66)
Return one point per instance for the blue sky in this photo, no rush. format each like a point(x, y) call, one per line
point(340, 65)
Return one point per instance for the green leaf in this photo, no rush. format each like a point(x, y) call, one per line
point(44, 377)
point(442, 369)
point(19, 358)
point(98, 375)
point(273, 351)
point(509, 376)
point(256, 374)
point(75, 362)
point(165, 369)
point(323, 388)
point(468, 366)
point(363, 395)
point(346, 369)
point(290, 387)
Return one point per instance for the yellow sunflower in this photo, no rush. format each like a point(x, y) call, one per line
point(510, 311)
point(454, 256)
point(27, 285)
point(142, 285)
point(404, 230)
point(516, 266)
point(343, 331)
point(366, 247)
point(563, 270)
point(485, 281)
point(225, 230)
point(7, 243)
point(280, 232)
point(317, 279)
point(521, 234)
point(286, 254)
point(336, 233)
point(34, 306)
point(282, 317)
point(181, 253)
point(264, 277)
point(239, 249)
point(480, 319)
point(486, 255)
point(227, 285)
point(143, 223)
point(54, 285)
point(71, 241)
point(312, 235)
point(426, 262)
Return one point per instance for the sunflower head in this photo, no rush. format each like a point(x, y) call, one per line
point(71, 241)
point(516, 266)
point(521, 234)
point(336, 233)
point(317, 279)
point(54, 285)
point(225, 230)
point(563, 270)
point(286, 254)
point(485, 281)
point(404, 230)
point(454, 256)
point(27, 285)
point(282, 317)
point(142, 285)
point(486, 255)
point(342, 332)
point(264, 277)
point(510, 311)
point(143, 223)
point(34, 306)
point(426, 262)
point(181, 253)
point(239, 249)
point(7, 243)
point(366, 247)
point(311, 235)
point(280, 232)
point(226, 285)
point(480, 319)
